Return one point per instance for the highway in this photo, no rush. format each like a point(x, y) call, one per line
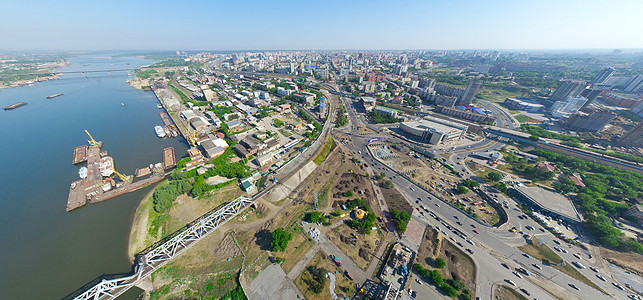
point(493, 246)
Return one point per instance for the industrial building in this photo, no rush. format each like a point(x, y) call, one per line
point(523, 104)
point(388, 111)
point(434, 130)
point(547, 201)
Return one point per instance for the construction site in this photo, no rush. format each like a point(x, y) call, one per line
point(99, 179)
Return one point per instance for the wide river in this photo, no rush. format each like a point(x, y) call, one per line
point(46, 252)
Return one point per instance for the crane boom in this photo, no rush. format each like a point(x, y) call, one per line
point(121, 176)
point(91, 141)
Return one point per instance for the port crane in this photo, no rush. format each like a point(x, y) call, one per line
point(121, 176)
point(91, 140)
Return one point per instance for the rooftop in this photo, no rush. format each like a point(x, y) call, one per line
point(550, 201)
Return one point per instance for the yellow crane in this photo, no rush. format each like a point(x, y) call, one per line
point(91, 141)
point(121, 176)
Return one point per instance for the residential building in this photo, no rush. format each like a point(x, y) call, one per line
point(469, 93)
point(369, 103)
point(593, 122)
point(569, 106)
point(426, 83)
point(461, 112)
point(603, 76)
point(523, 104)
point(568, 88)
point(634, 138)
point(388, 111)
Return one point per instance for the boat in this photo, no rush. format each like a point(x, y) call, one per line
point(82, 172)
point(14, 106)
point(159, 106)
point(160, 132)
point(106, 166)
point(122, 104)
point(54, 96)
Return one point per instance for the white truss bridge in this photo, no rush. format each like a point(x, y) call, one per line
point(159, 255)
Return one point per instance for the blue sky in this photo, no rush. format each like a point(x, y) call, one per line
point(329, 24)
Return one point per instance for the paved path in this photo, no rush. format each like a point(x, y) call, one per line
point(272, 283)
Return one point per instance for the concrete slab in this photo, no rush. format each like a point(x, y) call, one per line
point(272, 283)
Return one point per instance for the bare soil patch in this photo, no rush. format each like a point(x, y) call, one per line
point(359, 247)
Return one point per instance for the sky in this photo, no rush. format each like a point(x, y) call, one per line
point(328, 24)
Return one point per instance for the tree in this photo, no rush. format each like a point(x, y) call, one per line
point(280, 239)
point(314, 216)
point(348, 194)
point(439, 263)
point(381, 176)
point(449, 290)
point(494, 176)
point(436, 278)
point(388, 184)
point(462, 189)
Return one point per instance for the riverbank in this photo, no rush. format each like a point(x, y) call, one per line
point(138, 231)
point(139, 84)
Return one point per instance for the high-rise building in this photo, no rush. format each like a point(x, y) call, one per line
point(569, 106)
point(635, 84)
point(603, 76)
point(568, 88)
point(469, 93)
point(593, 122)
point(590, 95)
point(427, 82)
point(634, 138)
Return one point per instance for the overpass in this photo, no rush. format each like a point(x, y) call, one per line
point(108, 71)
point(567, 150)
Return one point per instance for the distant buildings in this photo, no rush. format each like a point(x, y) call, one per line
point(592, 122)
point(568, 88)
point(465, 113)
point(603, 76)
point(434, 131)
point(634, 138)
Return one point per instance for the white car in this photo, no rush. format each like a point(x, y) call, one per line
point(509, 281)
point(471, 242)
point(517, 274)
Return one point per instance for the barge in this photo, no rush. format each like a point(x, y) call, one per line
point(54, 96)
point(14, 106)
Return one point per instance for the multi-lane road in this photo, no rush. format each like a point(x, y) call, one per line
point(492, 247)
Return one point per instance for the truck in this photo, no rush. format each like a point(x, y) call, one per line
point(335, 260)
point(578, 265)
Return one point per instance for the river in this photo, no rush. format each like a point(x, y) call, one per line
point(46, 252)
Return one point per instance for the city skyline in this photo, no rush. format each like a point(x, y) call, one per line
point(291, 25)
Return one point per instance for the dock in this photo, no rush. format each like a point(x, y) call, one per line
point(94, 188)
point(169, 159)
point(172, 121)
point(80, 154)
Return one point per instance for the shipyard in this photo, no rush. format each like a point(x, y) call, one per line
point(100, 181)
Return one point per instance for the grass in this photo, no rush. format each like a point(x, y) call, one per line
point(526, 119)
point(542, 252)
point(285, 132)
point(324, 152)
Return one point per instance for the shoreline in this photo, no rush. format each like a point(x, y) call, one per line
point(138, 228)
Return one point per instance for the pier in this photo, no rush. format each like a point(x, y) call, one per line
point(171, 120)
point(80, 154)
point(94, 188)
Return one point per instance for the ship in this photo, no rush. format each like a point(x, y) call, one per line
point(54, 96)
point(160, 132)
point(82, 172)
point(14, 106)
point(159, 106)
point(106, 166)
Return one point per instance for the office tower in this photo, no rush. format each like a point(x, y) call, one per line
point(568, 88)
point(634, 138)
point(469, 93)
point(603, 76)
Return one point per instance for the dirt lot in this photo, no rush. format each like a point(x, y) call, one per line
point(359, 249)
point(395, 200)
point(506, 293)
point(459, 265)
point(343, 286)
point(628, 260)
point(357, 184)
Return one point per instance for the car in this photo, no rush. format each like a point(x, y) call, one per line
point(452, 239)
point(633, 297)
point(541, 229)
point(438, 205)
point(417, 201)
point(455, 217)
point(573, 286)
point(526, 255)
point(563, 250)
point(517, 274)
point(577, 256)
point(471, 242)
point(529, 227)
point(509, 281)
point(537, 266)
point(557, 249)
point(437, 227)
point(458, 222)
point(556, 242)
point(600, 277)
point(445, 233)
point(459, 244)
point(411, 188)
point(474, 226)
point(525, 291)
point(505, 265)
point(524, 271)
point(469, 250)
point(476, 231)
point(620, 287)
point(418, 281)
point(594, 269)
